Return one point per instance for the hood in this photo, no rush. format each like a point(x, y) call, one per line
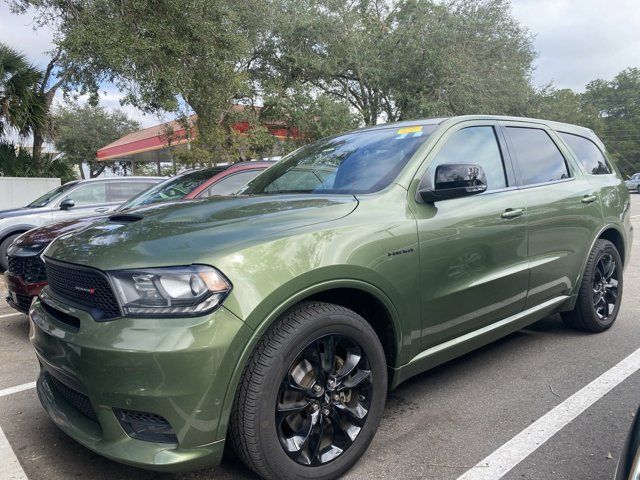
point(37, 239)
point(193, 231)
point(22, 211)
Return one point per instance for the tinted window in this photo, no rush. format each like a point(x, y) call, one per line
point(588, 153)
point(357, 162)
point(172, 189)
point(123, 191)
point(51, 195)
point(476, 145)
point(230, 184)
point(538, 157)
point(89, 194)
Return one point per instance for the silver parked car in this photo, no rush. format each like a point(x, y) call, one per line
point(633, 184)
point(75, 199)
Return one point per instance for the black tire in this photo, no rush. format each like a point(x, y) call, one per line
point(4, 246)
point(254, 432)
point(586, 316)
point(638, 189)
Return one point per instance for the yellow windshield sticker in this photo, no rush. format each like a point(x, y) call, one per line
point(405, 130)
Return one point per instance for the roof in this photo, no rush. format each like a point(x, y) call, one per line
point(147, 139)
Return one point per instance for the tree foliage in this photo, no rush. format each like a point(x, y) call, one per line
point(81, 130)
point(17, 162)
point(392, 60)
point(21, 107)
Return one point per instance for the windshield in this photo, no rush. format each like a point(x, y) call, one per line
point(174, 188)
point(358, 162)
point(51, 195)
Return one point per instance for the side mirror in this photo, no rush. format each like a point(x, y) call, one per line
point(66, 204)
point(453, 180)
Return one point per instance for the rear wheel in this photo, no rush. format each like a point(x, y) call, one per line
point(4, 246)
point(600, 292)
point(312, 395)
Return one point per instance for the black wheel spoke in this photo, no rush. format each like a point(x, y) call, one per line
point(360, 377)
point(605, 287)
point(324, 400)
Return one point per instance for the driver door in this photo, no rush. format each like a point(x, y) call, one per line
point(473, 250)
point(88, 199)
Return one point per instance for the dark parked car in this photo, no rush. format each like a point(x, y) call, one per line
point(277, 320)
point(72, 200)
point(26, 274)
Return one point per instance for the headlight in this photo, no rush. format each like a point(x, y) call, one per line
point(170, 291)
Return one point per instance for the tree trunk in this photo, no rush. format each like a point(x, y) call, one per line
point(36, 151)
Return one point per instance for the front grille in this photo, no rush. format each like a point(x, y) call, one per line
point(79, 401)
point(86, 287)
point(31, 269)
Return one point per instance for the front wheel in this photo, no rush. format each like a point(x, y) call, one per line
point(600, 292)
point(312, 395)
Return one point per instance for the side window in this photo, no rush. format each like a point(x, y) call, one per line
point(588, 153)
point(89, 194)
point(538, 157)
point(123, 191)
point(476, 145)
point(230, 184)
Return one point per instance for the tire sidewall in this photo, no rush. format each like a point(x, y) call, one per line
point(605, 247)
point(333, 323)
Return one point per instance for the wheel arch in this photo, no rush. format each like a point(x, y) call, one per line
point(614, 235)
point(18, 229)
point(361, 297)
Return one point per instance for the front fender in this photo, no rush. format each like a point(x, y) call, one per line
point(276, 312)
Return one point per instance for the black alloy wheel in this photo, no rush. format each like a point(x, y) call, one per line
point(598, 300)
point(605, 286)
point(324, 400)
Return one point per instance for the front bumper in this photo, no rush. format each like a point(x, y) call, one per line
point(178, 369)
point(21, 294)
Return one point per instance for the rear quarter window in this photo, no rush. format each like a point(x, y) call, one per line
point(587, 153)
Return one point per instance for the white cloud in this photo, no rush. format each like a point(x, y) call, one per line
point(581, 40)
point(17, 32)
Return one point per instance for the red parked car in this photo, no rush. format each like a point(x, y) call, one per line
point(26, 274)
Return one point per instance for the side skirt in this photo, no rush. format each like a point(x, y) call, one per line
point(458, 346)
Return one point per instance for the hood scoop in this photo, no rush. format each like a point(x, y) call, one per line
point(125, 218)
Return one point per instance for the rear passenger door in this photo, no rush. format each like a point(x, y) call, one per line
point(563, 209)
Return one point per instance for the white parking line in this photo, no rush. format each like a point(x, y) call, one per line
point(11, 468)
point(501, 461)
point(7, 315)
point(17, 388)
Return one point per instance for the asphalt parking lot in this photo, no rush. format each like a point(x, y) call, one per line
point(439, 425)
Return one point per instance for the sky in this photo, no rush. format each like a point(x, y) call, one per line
point(577, 41)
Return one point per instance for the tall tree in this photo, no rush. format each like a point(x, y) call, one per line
point(21, 106)
point(397, 59)
point(618, 104)
point(81, 130)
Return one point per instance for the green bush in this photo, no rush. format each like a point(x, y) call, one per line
point(18, 163)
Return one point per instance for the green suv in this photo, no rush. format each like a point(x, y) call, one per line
point(276, 320)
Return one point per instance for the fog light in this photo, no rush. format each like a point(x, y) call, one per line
point(145, 426)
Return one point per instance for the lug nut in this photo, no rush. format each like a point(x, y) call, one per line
point(325, 412)
point(317, 388)
point(336, 398)
point(315, 407)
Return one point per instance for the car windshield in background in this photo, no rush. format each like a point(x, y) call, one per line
point(358, 162)
point(172, 189)
point(51, 195)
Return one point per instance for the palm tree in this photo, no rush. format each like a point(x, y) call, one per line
point(21, 106)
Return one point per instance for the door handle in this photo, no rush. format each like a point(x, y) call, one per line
point(512, 213)
point(589, 199)
point(101, 210)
